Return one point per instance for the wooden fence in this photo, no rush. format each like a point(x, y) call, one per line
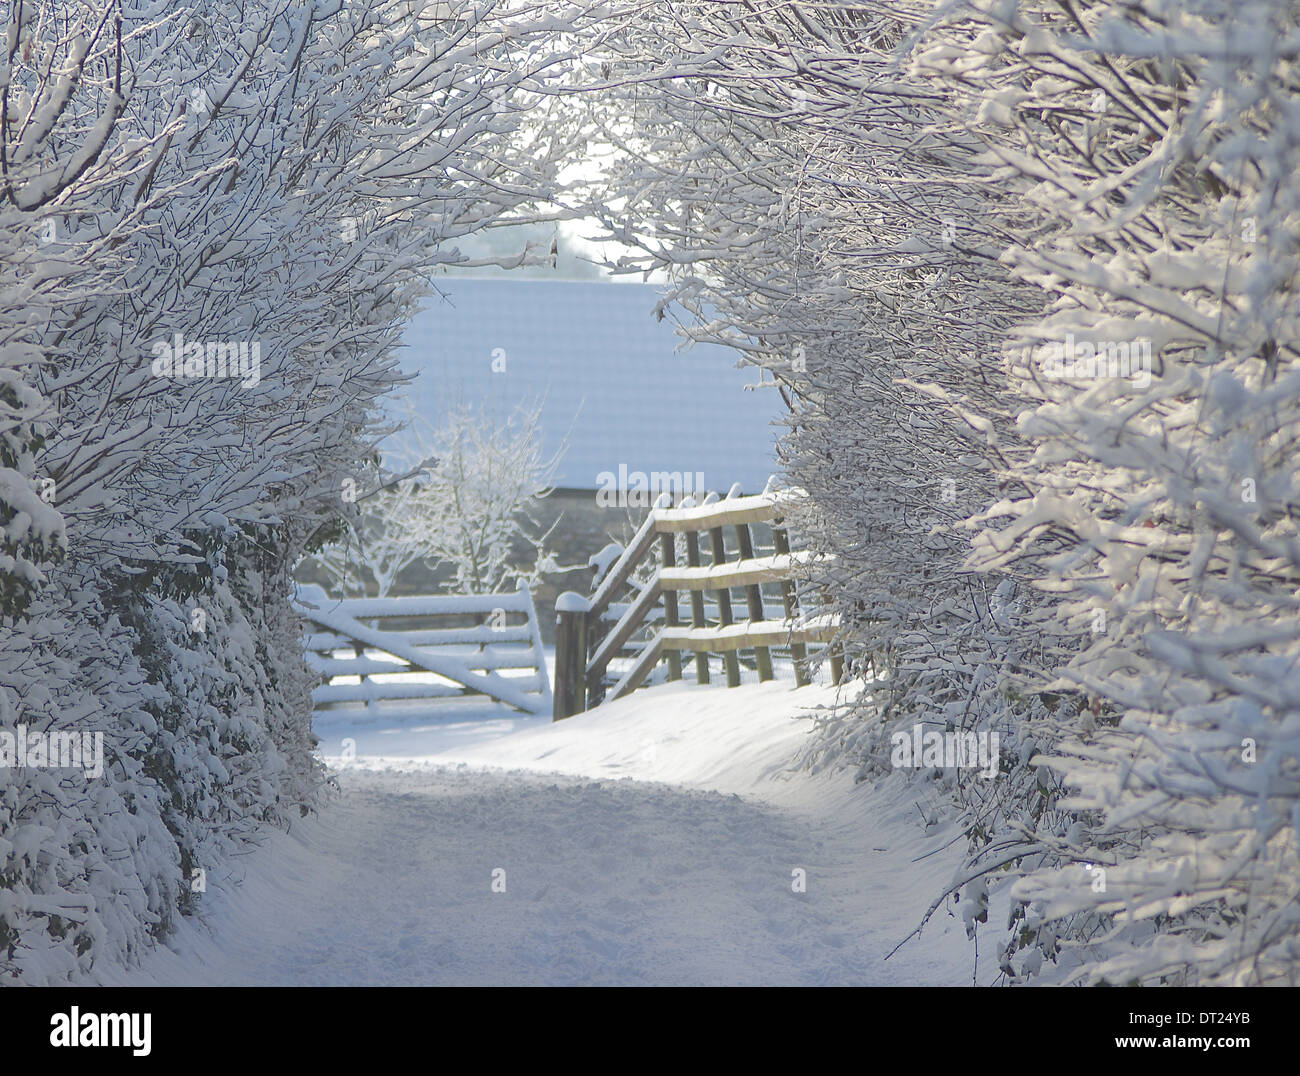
point(389, 654)
point(637, 613)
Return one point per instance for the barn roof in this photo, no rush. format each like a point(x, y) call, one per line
point(607, 371)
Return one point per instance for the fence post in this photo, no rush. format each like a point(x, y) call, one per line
point(697, 602)
point(836, 649)
point(754, 600)
point(570, 655)
point(798, 652)
point(668, 555)
point(730, 659)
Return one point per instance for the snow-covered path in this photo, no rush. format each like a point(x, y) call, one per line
point(607, 879)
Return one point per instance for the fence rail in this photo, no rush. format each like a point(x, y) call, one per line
point(646, 626)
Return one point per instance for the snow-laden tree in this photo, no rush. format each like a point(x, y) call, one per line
point(52, 99)
point(215, 218)
point(465, 505)
point(899, 210)
point(1157, 149)
point(490, 477)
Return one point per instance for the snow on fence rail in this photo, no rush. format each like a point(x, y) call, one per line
point(647, 626)
point(448, 646)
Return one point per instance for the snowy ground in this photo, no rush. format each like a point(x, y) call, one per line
point(651, 842)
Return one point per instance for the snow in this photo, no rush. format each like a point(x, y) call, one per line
point(313, 600)
point(569, 602)
point(653, 841)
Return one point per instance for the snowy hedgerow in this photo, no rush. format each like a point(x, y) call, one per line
point(1157, 146)
point(87, 867)
point(911, 215)
point(266, 179)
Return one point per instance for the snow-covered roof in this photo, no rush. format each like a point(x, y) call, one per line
point(608, 373)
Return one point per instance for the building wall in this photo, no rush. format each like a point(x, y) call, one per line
point(613, 386)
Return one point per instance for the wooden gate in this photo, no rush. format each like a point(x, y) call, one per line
point(388, 654)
